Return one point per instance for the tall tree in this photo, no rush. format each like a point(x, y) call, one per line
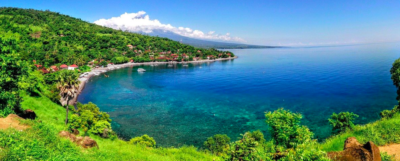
point(68, 85)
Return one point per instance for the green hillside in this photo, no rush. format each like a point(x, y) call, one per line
point(52, 39)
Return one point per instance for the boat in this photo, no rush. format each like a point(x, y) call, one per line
point(141, 70)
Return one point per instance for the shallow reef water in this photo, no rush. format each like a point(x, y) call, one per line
point(181, 105)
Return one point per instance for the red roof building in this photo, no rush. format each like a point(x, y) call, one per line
point(74, 66)
point(63, 66)
point(45, 71)
point(54, 68)
point(38, 66)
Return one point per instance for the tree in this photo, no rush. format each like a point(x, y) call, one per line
point(395, 72)
point(286, 129)
point(13, 72)
point(218, 144)
point(68, 85)
point(342, 121)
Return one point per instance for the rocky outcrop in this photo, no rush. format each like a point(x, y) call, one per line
point(85, 142)
point(354, 151)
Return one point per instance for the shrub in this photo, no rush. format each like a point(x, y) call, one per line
point(386, 114)
point(386, 157)
point(258, 136)
point(286, 130)
point(246, 149)
point(342, 121)
point(103, 63)
point(100, 126)
point(306, 151)
point(218, 144)
point(145, 140)
point(90, 115)
point(84, 68)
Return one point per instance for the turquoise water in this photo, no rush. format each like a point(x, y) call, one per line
point(185, 105)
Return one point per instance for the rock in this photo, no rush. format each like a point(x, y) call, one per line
point(85, 142)
point(89, 143)
point(28, 114)
point(354, 151)
point(75, 131)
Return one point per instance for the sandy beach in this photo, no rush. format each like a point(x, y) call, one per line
point(97, 71)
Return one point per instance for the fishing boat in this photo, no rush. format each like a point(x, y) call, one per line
point(141, 70)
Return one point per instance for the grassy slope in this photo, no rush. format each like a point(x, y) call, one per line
point(380, 132)
point(52, 119)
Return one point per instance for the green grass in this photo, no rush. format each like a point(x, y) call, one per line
point(380, 132)
point(41, 141)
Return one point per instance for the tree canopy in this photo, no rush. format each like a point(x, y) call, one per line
point(50, 38)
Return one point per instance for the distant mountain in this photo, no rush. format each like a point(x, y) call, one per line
point(205, 43)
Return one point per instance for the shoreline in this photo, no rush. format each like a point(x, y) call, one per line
point(97, 71)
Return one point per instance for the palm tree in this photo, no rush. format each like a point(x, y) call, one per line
point(68, 85)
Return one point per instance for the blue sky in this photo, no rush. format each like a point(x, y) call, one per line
point(264, 22)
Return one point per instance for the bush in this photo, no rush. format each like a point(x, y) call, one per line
point(342, 121)
point(286, 130)
point(386, 114)
point(101, 127)
point(84, 68)
point(89, 116)
point(218, 144)
point(246, 149)
point(145, 140)
point(386, 157)
point(258, 136)
point(103, 63)
point(307, 151)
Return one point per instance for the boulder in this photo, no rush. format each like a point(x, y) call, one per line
point(354, 151)
point(85, 142)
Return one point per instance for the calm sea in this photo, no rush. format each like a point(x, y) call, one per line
point(185, 105)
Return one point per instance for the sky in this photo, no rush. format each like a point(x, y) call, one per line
point(260, 22)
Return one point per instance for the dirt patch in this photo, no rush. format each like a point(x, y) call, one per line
point(391, 149)
point(12, 121)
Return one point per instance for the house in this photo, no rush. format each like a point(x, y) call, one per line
point(44, 71)
point(38, 66)
point(185, 56)
point(196, 58)
point(54, 68)
point(63, 66)
point(72, 67)
point(130, 46)
point(131, 61)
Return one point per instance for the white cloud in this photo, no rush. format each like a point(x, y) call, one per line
point(140, 22)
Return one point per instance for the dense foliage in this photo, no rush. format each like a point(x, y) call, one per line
point(342, 121)
point(16, 75)
point(218, 144)
point(286, 130)
point(52, 39)
point(386, 114)
point(89, 118)
point(145, 140)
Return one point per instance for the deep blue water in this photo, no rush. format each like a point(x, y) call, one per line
point(185, 105)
